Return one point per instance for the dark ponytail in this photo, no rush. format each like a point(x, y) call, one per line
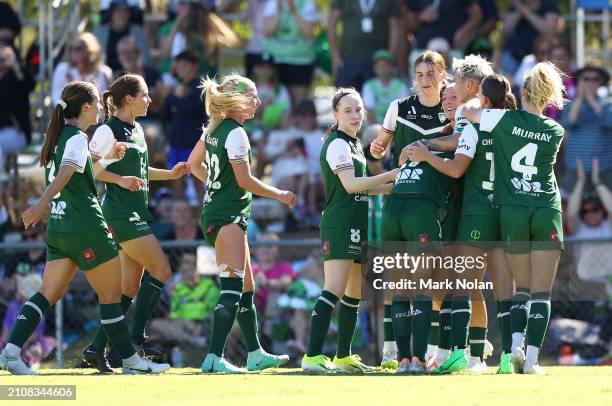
point(497, 89)
point(125, 85)
point(340, 93)
point(74, 96)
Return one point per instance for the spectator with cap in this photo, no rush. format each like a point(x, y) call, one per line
point(184, 112)
point(589, 218)
point(368, 25)
point(118, 27)
point(288, 36)
point(588, 124)
point(522, 24)
point(16, 84)
point(137, 9)
point(84, 61)
point(379, 92)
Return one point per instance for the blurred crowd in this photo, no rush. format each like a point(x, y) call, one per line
point(291, 46)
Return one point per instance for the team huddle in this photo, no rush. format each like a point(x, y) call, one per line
point(472, 175)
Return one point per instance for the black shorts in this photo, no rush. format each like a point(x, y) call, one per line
point(295, 75)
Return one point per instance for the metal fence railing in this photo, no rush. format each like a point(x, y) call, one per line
point(581, 312)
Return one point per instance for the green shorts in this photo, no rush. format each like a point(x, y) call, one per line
point(412, 220)
point(527, 228)
point(128, 229)
point(211, 225)
point(342, 243)
point(480, 230)
point(452, 217)
point(86, 249)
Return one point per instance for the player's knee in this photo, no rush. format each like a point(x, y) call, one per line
point(52, 295)
point(130, 289)
point(109, 296)
point(162, 272)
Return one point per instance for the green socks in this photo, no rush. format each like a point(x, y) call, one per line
point(519, 312)
point(319, 322)
point(247, 320)
point(445, 323)
point(434, 331)
point(478, 336)
point(116, 328)
point(32, 312)
point(460, 321)
point(539, 316)
point(225, 313)
point(146, 301)
point(100, 340)
point(505, 327)
point(347, 320)
point(388, 324)
point(421, 323)
point(402, 326)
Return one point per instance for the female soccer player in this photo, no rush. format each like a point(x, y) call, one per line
point(77, 234)
point(409, 120)
point(526, 147)
point(479, 222)
point(225, 149)
point(343, 224)
point(125, 207)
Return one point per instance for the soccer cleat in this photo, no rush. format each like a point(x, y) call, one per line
point(417, 367)
point(263, 360)
point(403, 365)
point(389, 359)
point(214, 364)
point(432, 351)
point(96, 359)
point(319, 364)
point(14, 365)
point(476, 366)
point(145, 349)
point(351, 364)
point(145, 366)
point(533, 369)
point(457, 362)
point(518, 359)
point(505, 365)
point(488, 349)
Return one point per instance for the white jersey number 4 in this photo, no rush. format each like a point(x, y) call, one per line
point(527, 170)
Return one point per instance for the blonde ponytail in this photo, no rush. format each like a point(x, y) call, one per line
point(544, 86)
point(222, 98)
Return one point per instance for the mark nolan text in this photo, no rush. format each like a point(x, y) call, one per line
point(430, 284)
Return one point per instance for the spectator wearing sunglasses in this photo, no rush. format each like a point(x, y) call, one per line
point(588, 124)
point(589, 219)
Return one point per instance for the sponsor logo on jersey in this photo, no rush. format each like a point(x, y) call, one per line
point(464, 147)
point(402, 314)
point(527, 186)
point(536, 316)
point(72, 154)
point(89, 254)
point(218, 306)
point(326, 248)
point(361, 198)
point(408, 175)
point(21, 317)
point(519, 307)
point(58, 208)
point(423, 240)
point(441, 117)
point(416, 312)
point(343, 158)
point(211, 140)
point(475, 235)
point(355, 235)
point(426, 116)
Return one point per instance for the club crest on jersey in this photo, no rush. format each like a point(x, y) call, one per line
point(441, 117)
point(326, 248)
point(89, 254)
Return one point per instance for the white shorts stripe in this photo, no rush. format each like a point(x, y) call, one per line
point(111, 321)
point(348, 304)
point(231, 292)
point(35, 306)
point(326, 301)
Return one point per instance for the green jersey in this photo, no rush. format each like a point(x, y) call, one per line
point(120, 203)
point(409, 121)
point(480, 176)
point(526, 149)
point(377, 96)
point(341, 152)
point(76, 207)
point(419, 179)
point(227, 144)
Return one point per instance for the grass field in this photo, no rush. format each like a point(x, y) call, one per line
point(563, 386)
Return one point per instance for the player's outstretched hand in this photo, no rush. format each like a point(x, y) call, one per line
point(117, 151)
point(33, 215)
point(131, 183)
point(417, 152)
point(392, 174)
point(289, 199)
point(377, 148)
point(180, 169)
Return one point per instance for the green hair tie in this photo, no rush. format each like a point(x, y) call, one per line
point(241, 87)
